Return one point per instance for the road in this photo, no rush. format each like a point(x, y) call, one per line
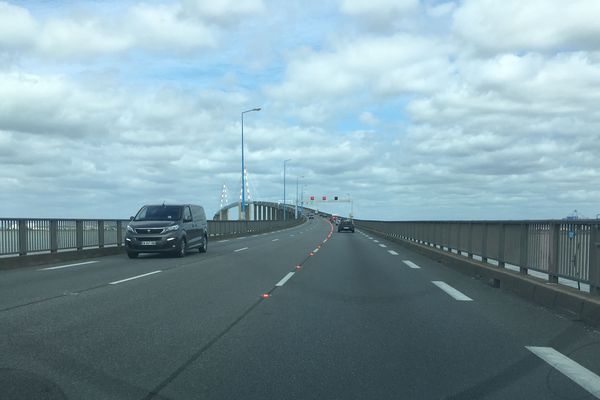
point(296, 314)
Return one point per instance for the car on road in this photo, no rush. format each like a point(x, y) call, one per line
point(346, 226)
point(174, 229)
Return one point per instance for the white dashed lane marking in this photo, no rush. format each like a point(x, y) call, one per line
point(134, 277)
point(411, 264)
point(455, 294)
point(573, 370)
point(392, 252)
point(285, 279)
point(67, 266)
point(242, 249)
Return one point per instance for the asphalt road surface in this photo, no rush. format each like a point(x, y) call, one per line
point(303, 313)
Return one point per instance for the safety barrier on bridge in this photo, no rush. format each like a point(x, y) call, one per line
point(20, 236)
point(567, 249)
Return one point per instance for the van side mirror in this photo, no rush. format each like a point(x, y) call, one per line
point(187, 220)
point(131, 218)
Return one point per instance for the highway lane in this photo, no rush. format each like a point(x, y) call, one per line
point(354, 321)
point(117, 341)
point(24, 286)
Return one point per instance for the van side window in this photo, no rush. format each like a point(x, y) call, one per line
point(187, 214)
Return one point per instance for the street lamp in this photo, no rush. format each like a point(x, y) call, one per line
point(297, 194)
point(243, 178)
point(284, 164)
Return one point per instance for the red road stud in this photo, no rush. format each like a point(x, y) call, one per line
point(298, 267)
point(310, 254)
point(265, 295)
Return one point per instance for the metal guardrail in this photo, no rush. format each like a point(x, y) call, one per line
point(561, 249)
point(23, 236)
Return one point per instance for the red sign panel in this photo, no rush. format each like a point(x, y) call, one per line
point(324, 198)
point(312, 197)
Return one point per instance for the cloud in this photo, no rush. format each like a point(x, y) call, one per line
point(171, 27)
point(534, 25)
point(17, 27)
point(384, 66)
point(379, 14)
point(223, 12)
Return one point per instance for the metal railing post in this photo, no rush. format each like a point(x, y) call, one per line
point(100, 233)
point(470, 240)
point(53, 236)
point(484, 243)
point(523, 248)
point(501, 242)
point(22, 237)
point(595, 259)
point(79, 234)
point(553, 252)
point(119, 233)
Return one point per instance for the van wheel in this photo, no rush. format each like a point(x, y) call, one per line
point(204, 246)
point(182, 248)
point(132, 254)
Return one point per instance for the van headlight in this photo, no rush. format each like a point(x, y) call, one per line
point(130, 229)
point(171, 228)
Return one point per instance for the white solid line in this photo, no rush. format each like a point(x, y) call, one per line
point(67, 266)
point(573, 370)
point(241, 237)
point(242, 249)
point(285, 279)
point(382, 245)
point(392, 252)
point(274, 240)
point(135, 277)
point(223, 241)
point(451, 291)
point(411, 264)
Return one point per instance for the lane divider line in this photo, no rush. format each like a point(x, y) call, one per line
point(315, 250)
point(411, 264)
point(392, 252)
point(285, 279)
point(67, 266)
point(376, 241)
point(274, 240)
point(223, 241)
point(455, 294)
point(135, 277)
point(242, 249)
point(571, 369)
point(382, 245)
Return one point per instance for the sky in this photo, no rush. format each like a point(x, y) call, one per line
point(414, 109)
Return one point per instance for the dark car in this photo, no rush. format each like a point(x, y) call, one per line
point(346, 225)
point(167, 229)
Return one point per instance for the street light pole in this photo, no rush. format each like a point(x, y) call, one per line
point(243, 167)
point(297, 178)
point(284, 211)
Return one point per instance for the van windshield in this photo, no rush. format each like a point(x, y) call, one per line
point(159, 213)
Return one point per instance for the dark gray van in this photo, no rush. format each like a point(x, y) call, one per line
point(167, 228)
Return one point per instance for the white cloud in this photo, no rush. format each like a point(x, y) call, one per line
point(170, 27)
point(533, 25)
point(368, 118)
point(17, 26)
point(223, 11)
point(379, 14)
point(385, 65)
